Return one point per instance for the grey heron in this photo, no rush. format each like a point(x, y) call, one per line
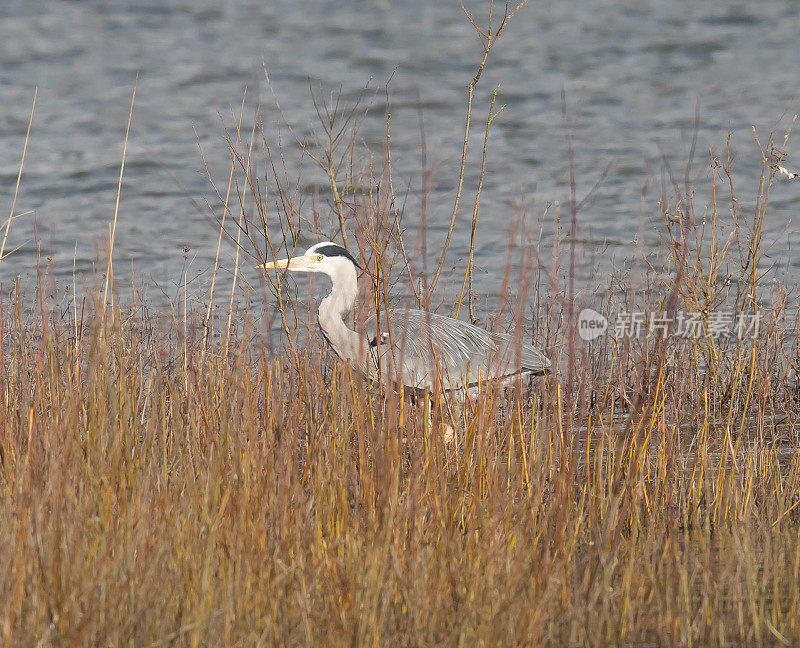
point(418, 349)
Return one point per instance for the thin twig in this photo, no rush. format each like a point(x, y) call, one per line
point(110, 266)
point(490, 41)
point(208, 322)
point(19, 177)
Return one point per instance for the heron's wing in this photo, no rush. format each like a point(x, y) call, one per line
point(527, 357)
point(426, 347)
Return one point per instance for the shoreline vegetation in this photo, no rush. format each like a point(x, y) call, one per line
point(179, 477)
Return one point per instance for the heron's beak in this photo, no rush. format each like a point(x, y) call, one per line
point(295, 263)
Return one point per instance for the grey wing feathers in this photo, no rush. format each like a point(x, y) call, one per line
point(424, 344)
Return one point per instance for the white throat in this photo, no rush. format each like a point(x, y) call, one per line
point(348, 344)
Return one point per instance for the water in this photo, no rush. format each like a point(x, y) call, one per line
point(636, 72)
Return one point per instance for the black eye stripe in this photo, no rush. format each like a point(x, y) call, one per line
point(334, 251)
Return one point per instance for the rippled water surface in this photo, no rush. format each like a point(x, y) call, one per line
point(637, 72)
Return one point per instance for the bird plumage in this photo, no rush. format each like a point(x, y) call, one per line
point(430, 348)
point(416, 348)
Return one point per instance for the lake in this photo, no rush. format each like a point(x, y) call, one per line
point(642, 78)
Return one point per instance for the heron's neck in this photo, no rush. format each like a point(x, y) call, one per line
point(345, 342)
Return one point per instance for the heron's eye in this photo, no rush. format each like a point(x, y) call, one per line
point(320, 257)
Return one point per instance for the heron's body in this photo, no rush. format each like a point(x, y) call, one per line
point(415, 348)
point(423, 349)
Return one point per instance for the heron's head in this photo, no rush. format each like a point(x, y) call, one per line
point(326, 257)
